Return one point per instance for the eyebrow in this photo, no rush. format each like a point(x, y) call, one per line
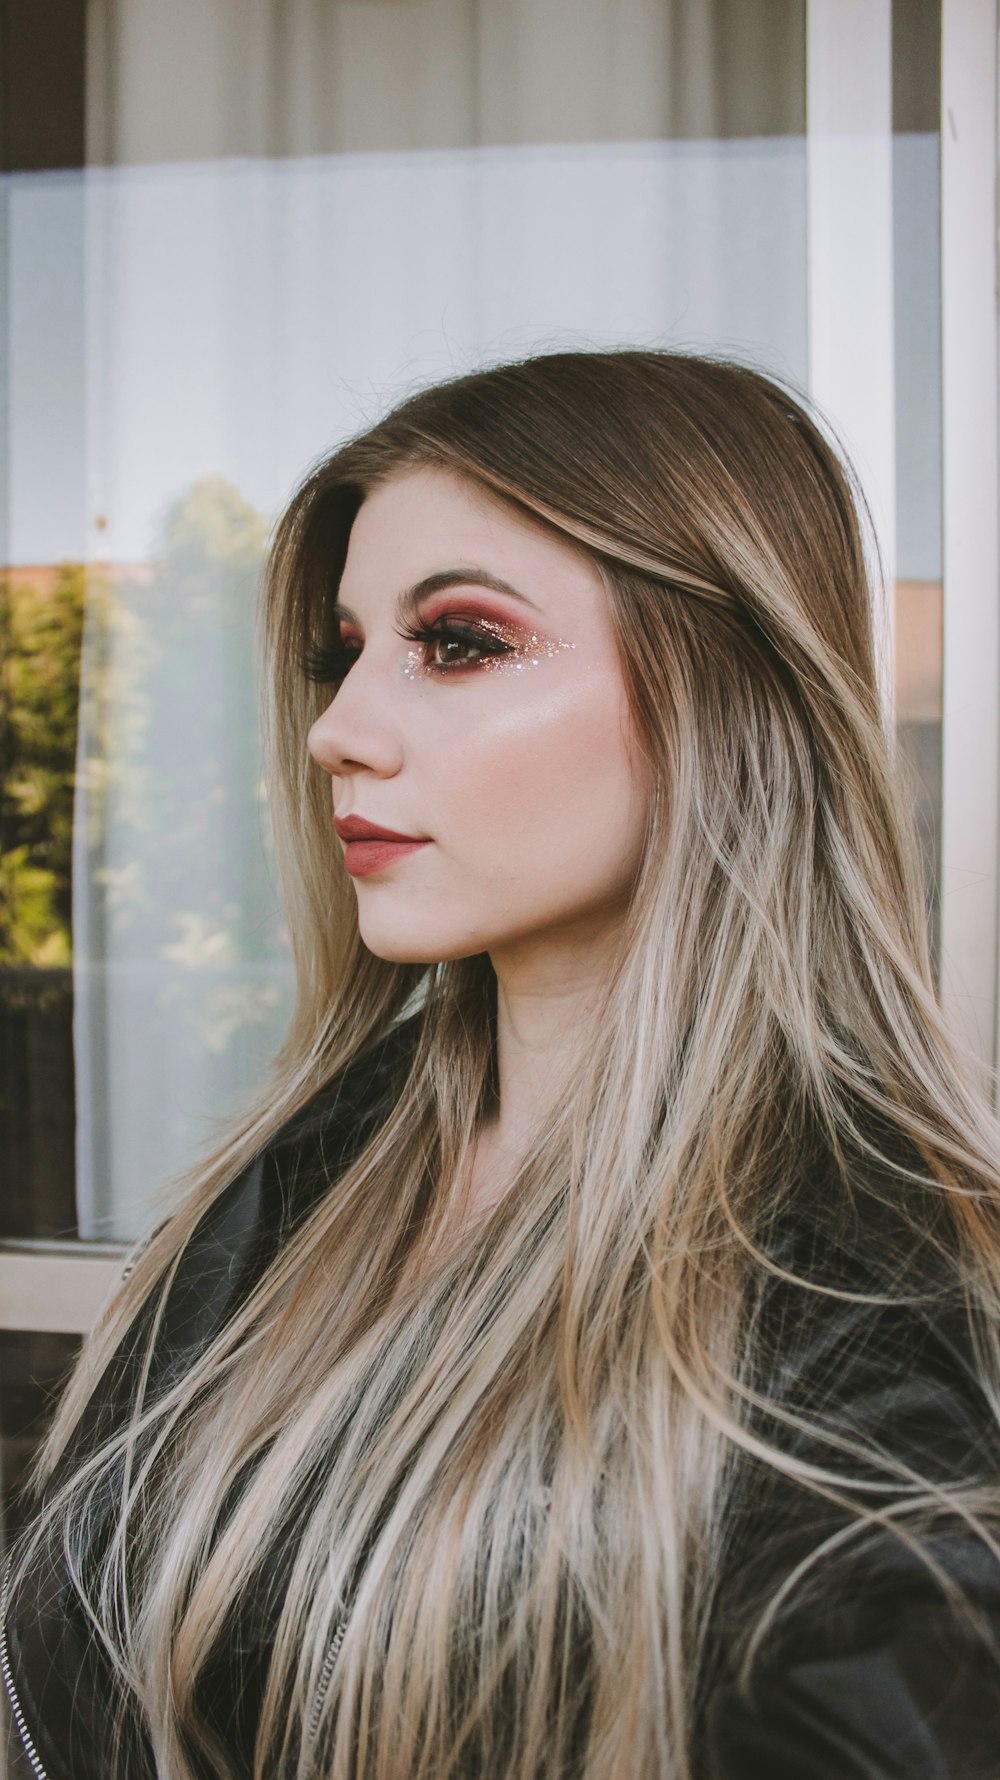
point(409, 600)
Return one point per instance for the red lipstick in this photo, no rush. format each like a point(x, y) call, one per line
point(368, 848)
point(355, 828)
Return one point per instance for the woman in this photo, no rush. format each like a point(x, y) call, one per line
point(583, 1361)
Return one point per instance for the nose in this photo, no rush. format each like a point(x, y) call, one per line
point(357, 732)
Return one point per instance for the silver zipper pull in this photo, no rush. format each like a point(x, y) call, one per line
point(27, 1742)
point(326, 1676)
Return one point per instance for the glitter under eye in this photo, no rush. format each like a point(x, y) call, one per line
point(521, 651)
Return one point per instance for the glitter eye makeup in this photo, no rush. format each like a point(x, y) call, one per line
point(491, 644)
point(453, 643)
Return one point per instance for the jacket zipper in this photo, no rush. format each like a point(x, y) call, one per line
point(326, 1676)
point(17, 1713)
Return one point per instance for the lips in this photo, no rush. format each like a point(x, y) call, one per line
point(369, 848)
point(355, 828)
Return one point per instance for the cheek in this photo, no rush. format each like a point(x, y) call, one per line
point(552, 783)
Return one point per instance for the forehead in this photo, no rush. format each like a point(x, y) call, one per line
point(427, 520)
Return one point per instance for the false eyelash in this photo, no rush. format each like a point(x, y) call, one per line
point(327, 665)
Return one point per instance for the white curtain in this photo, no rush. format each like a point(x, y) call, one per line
point(294, 213)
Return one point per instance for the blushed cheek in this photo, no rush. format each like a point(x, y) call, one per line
point(554, 802)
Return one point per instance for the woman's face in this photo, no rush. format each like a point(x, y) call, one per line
point(499, 738)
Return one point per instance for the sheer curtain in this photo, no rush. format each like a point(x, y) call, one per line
point(292, 213)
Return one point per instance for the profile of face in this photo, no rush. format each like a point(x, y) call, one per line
point(482, 714)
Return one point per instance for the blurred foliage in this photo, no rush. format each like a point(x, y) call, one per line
point(170, 785)
point(176, 828)
point(171, 755)
point(42, 631)
point(129, 755)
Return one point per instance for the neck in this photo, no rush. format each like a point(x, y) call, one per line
point(546, 995)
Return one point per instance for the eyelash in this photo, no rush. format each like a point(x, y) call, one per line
point(329, 666)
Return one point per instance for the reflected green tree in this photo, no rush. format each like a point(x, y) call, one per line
point(42, 634)
point(41, 628)
point(132, 813)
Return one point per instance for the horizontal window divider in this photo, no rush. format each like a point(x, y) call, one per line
point(56, 1288)
point(75, 1247)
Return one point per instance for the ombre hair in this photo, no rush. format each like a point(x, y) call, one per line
point(512, 1483)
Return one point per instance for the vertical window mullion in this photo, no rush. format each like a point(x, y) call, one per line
point(971, 629)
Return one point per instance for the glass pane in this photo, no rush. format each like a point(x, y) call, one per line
point(276, 235)
point(42, 95)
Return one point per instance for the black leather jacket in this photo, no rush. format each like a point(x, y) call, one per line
point(868, 1675)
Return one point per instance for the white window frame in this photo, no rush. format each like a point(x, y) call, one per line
point(971, 634)
point(56, 1288)
point(849, 150)
point(849, 255)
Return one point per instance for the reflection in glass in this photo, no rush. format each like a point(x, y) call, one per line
point(182, 976)
point(42, 622)
point(919, 676)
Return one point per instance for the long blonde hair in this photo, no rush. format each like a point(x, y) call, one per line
point(509, 1487)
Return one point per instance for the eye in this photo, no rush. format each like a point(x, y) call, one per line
point(449, 646)
point(446, 647)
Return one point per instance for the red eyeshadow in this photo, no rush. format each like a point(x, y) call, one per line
point(473, 605)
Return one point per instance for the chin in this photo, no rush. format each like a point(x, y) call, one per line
point(397, 946)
